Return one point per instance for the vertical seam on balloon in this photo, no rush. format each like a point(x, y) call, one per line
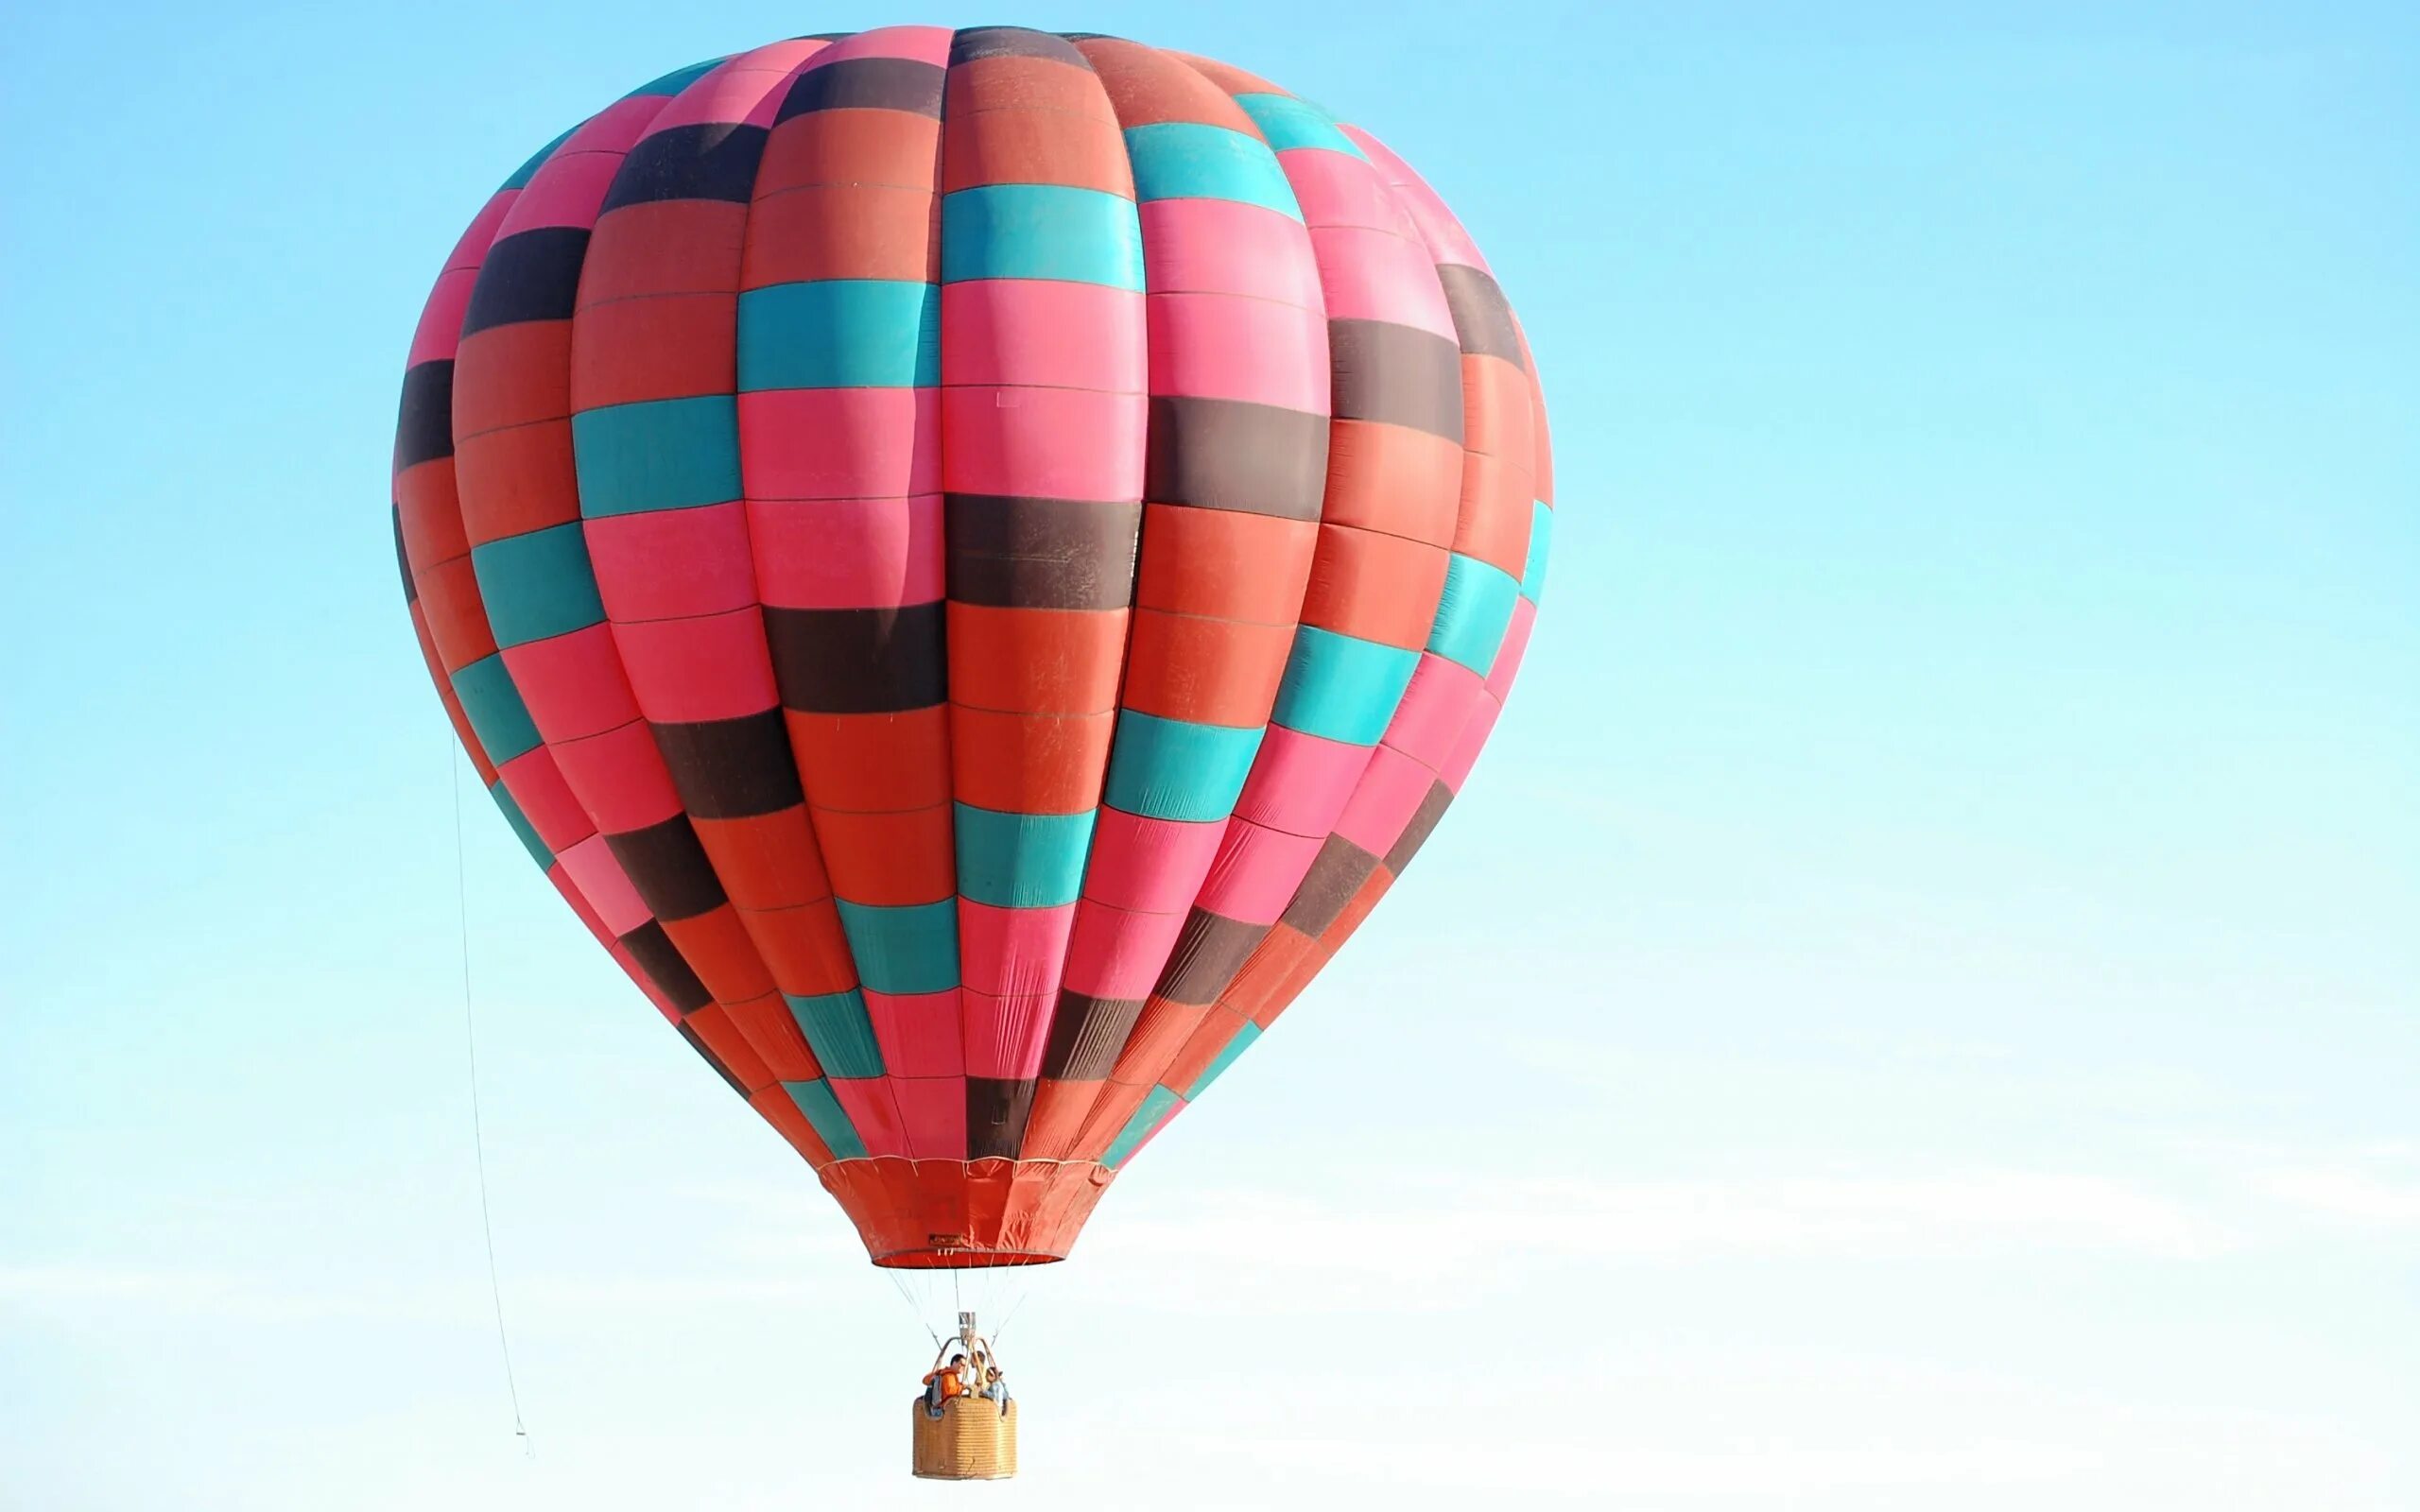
point(1098, 1136)
point(751, 924)
point(890, 1077)
point(473, 741)
point(669, 942)
point(1017, 1025)
point(1478, 719)
point(1184, 121)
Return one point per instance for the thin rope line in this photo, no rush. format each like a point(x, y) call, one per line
point(1011, 1318)
point(478, 1131)
point(901, 1287)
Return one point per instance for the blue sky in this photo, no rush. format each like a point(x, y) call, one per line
point(1917, 1003)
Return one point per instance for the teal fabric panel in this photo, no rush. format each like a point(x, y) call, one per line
point(658, 453)
point(1177, 769)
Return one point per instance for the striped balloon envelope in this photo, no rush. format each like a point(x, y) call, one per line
point(972, 559)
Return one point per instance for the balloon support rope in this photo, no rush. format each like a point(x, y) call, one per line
point(478, 1135)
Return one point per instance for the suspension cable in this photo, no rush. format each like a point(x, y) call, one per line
point(478, 1133)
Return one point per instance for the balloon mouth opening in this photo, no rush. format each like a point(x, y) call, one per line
point(963, 1259)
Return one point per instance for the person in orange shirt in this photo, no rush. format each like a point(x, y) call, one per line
point(943, 1383)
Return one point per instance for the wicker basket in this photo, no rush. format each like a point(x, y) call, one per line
point(974, 1439)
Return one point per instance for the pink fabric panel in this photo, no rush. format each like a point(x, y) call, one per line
point(545, 800)
point(1434, 709)
point(617, 128)
point(1465, 752)
point(873, 1112)
point(1008, 952)
point(1300, 783)
point(1338, 189)
point(1391, 791)
point(934, 1109)
point(1222, 246)
point(568, 191)
point(672, 563)
point(1147, 866)
point(573, 684)
point(620, 778)
point(1004, 1034)
point(1378, 275)
point(918, 1032)
point(926, 45)
point(686, 671)
point(1041, 332)
point(839, 443)
point(748, 89)
point(848, 552)
point(1446, 239)
point(1256, 872)
point(439, 336)
point(579, 904)
point(599, 877)
point(1218, 346)
point(1051, 444)
point(1516, 645)
point(1116, 954)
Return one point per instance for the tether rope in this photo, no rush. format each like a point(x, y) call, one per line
point(478, 1133)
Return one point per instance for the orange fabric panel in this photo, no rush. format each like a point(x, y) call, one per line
point(1393, 478)
point(1542, 464)
point(1114, 1110)
point(1356, 910)
point(849, 147)
point(1029, 764)
point(1160, 1030)
point(774, 1105)
point(511, 375)
point(713, 1027)
point(1009, 83)
point(1375, 586)
point(994, 1211)
point(888, 859)
point(665, 247)
point(458, 621)
point(877, 761)
point(766, 861)
point(429, 509)
point(670, 346)
point(1223, 562)
point(462, 730)
point(1494, 524)
point(1037, 144)
point(1495, 410)
point(518, 479)
point(804, 949)
point(1226, 75)
point(773, 1032)
point(1036, 660)
point(1210, 1036)
point(717, 945)
point(1060, 1109)
point(846, 230)
point(1148, 86)
point(1264, 974)
point(1212, 672)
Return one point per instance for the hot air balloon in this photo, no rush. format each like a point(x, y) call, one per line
point(972, 559)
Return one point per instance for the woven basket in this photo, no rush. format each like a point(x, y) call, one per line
point(972, 1440)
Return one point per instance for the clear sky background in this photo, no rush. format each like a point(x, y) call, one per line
point(1919, 1007)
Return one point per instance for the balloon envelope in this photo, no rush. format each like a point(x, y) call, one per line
point(972, 559)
